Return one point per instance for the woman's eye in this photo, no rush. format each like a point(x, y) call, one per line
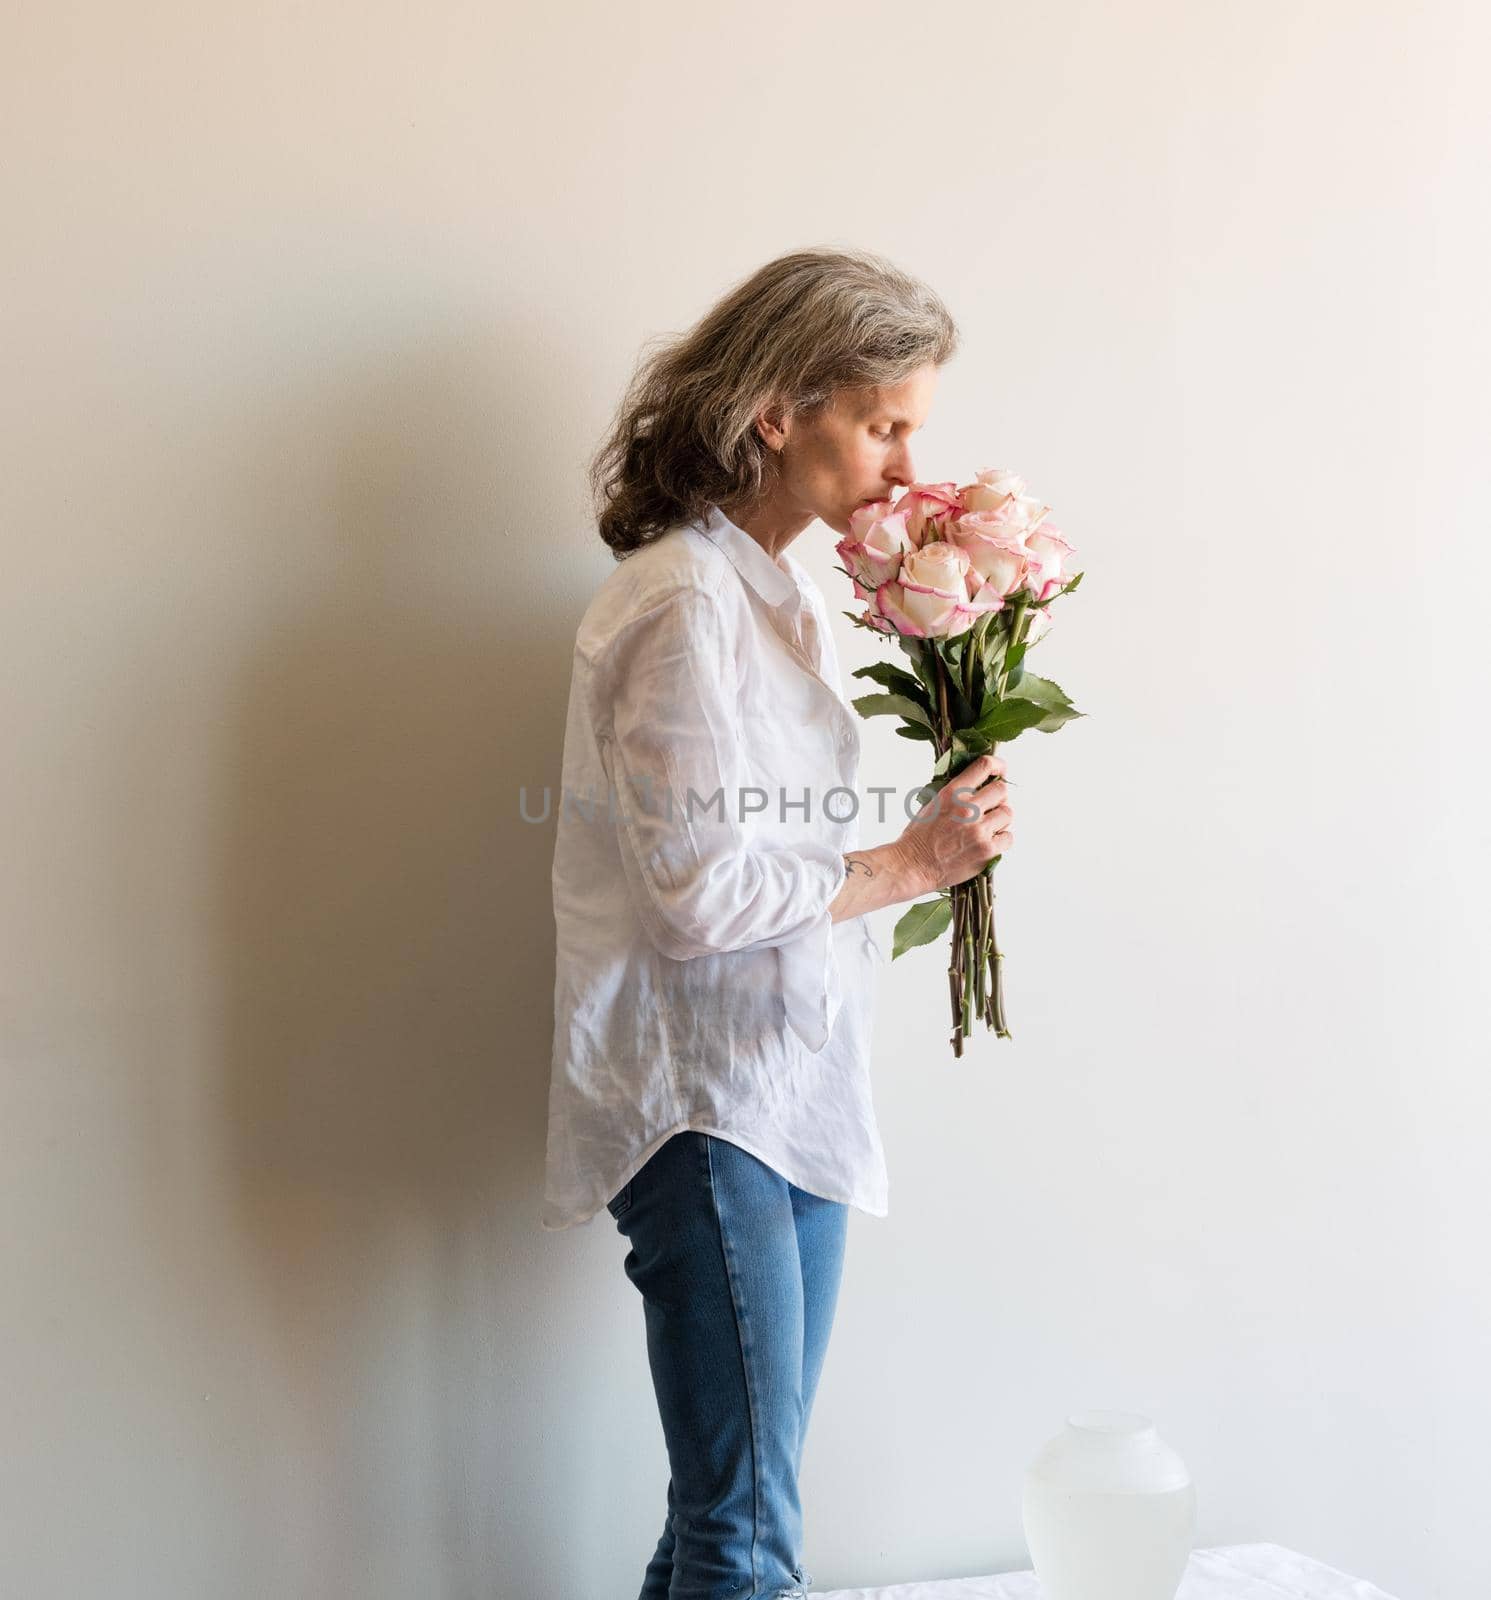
point(880, 433)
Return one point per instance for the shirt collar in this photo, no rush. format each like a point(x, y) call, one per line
point(772, 582)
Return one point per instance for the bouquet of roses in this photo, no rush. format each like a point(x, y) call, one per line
point(963, 579)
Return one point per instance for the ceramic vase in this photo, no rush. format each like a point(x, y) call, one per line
point(1109, 1511)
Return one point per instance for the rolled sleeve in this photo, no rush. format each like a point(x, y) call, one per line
point(671, 741)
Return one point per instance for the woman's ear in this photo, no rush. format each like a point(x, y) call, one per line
point(772, 425)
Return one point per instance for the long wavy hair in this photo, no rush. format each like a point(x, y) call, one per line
point(795, 332)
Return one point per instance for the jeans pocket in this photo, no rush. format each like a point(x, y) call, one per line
point(620, 1200)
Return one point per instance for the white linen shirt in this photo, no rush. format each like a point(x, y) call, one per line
point(699, 982)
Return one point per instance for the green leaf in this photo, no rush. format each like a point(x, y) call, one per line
point(986, 643)
point(1005, 719)
point(1052, 699)
point(1044, 691)
point(914, 730)
point(924, 922)
point(896, 679)
point(922, 663)
point(982, 629)
point(958, 708)
point(892, 705)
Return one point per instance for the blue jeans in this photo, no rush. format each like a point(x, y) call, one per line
point(739, 1276)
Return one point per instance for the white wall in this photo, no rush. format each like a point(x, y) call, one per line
point(312, 315)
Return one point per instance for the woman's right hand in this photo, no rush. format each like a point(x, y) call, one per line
point(947, 841)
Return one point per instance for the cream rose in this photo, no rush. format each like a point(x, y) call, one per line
point(991, 489)
point(939, 593)
point(994, 547)
point(1037, 625)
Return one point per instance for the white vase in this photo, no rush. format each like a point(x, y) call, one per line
point(1109, 1511)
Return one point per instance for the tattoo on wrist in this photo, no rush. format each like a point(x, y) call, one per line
point(858, 864)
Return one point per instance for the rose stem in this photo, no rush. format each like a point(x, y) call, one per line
point(955, 973)
point(980, 921)
point(955, 964)
point(996, 957)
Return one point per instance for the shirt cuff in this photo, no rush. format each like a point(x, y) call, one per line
point(812, 990)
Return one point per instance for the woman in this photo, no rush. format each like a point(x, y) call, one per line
point(715, 969)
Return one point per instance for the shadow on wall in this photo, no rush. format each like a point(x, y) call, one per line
point(384, 932)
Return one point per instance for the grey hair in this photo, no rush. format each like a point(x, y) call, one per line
point(794, 333)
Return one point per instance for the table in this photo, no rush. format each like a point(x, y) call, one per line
point(1226, 1572)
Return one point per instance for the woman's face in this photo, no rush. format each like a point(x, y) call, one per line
point(857, 448)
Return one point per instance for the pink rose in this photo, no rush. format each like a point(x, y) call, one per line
point(873, 550)
point(1048, 555)
point(938, 594)
point(1000, 494)
point(929, 507)
point(994, 545)
point(864, 517)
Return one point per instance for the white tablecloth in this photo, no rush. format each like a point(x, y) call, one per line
point(1227, 1572)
